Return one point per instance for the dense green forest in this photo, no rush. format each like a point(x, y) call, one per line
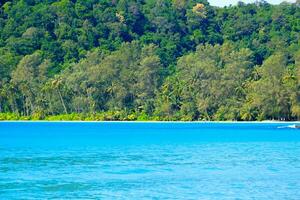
point(149, 60)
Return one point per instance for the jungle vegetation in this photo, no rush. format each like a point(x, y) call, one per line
point(149, 60)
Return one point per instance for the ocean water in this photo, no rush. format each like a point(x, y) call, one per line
point(204, 161)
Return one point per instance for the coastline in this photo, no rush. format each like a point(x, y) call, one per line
point(161, 122)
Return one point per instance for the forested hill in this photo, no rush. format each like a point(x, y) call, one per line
point(149, 60)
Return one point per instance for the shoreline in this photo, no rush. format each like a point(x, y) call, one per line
point(161, 122)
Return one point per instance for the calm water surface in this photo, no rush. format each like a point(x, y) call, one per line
point(149, 161)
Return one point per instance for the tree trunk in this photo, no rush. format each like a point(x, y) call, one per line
point(62, 101)
point(50, 104)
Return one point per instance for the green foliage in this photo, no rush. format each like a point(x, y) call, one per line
point(148, 60)
point(9, 116)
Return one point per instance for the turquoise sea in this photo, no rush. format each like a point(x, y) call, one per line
point(218, 161)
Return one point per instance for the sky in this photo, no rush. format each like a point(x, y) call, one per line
point(233, 2)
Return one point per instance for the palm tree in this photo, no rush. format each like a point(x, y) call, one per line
point(56, 84)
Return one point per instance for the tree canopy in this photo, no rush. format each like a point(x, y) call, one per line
point(149, 59)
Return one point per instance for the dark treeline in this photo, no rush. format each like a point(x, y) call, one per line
point(149, 59)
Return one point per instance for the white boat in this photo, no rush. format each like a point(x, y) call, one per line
point(291, 126)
